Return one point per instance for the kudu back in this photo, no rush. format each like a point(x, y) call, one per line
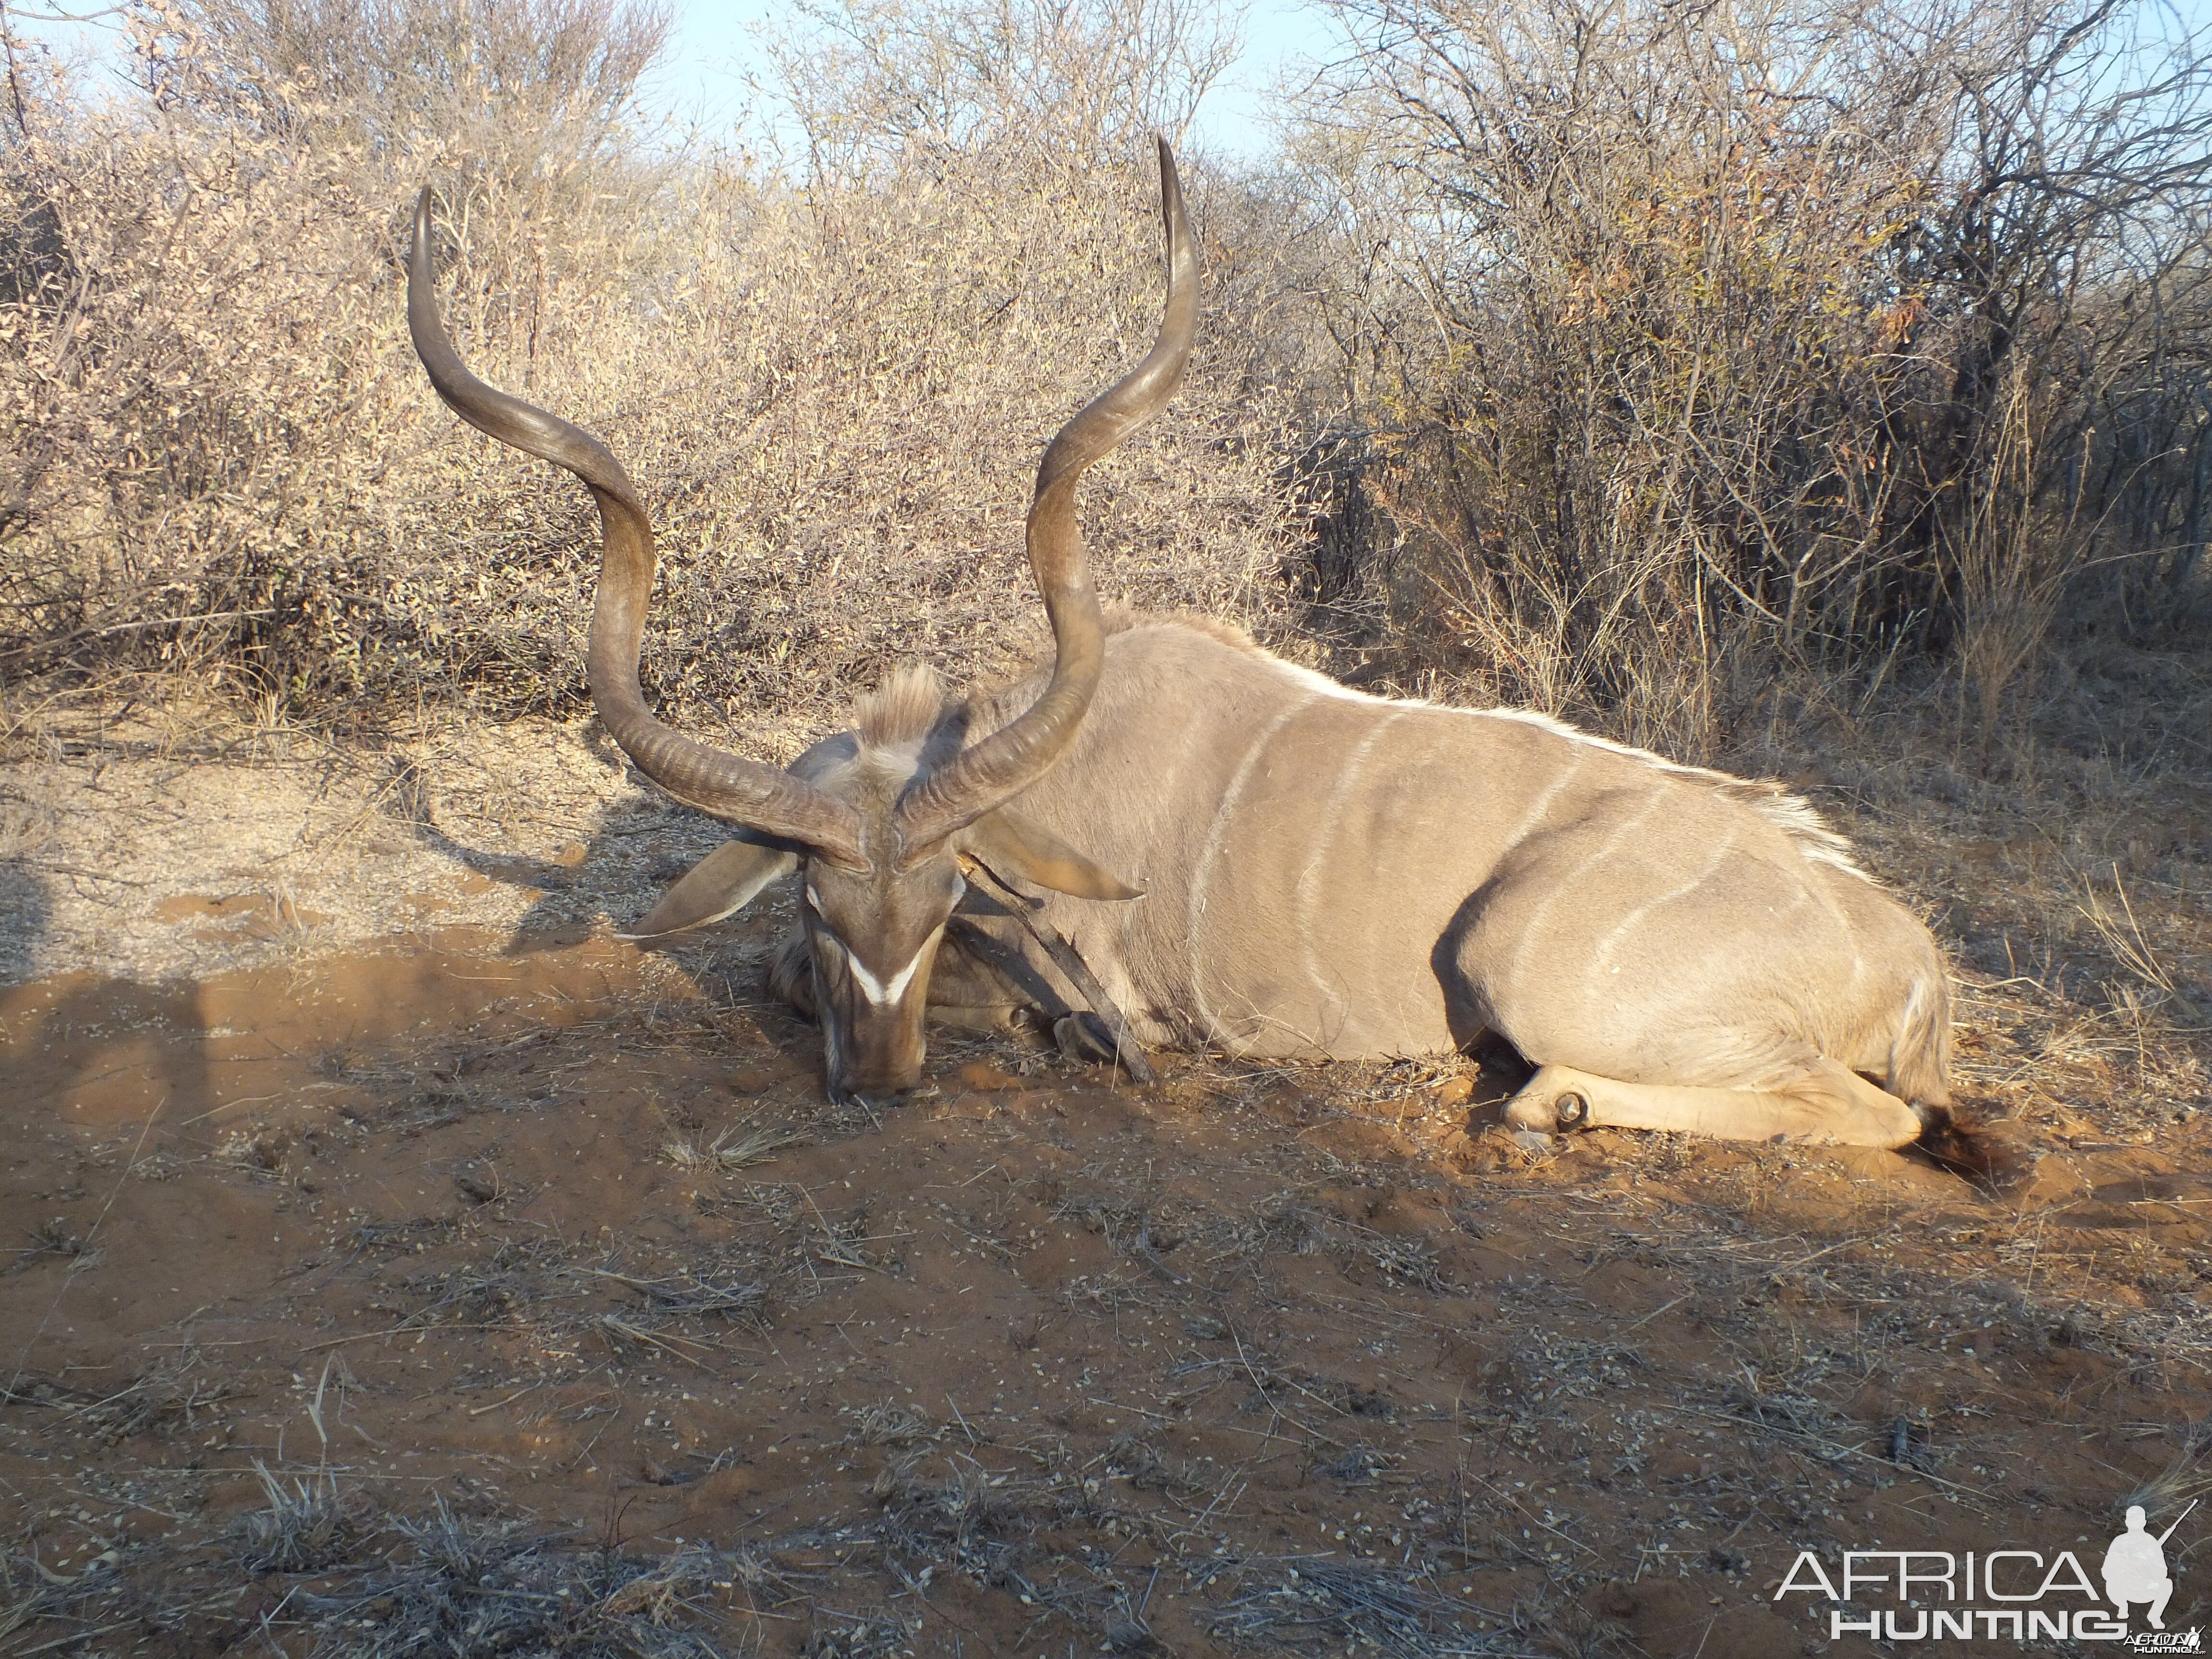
point(1253, 858)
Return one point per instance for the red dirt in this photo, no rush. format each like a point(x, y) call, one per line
point(1033, 1364)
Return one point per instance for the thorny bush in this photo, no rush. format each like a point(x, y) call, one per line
point(223, 453)
point(1588, 354)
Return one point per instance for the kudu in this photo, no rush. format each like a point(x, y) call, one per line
point(1310, 870)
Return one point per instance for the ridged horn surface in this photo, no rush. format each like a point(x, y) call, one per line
point(1011, 758)
point(729, 787)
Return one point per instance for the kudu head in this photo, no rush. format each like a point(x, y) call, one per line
point(878, 820)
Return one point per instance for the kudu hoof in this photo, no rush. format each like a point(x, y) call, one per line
point(1571, 1111)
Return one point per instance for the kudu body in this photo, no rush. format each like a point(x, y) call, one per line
point(1332, 874)
point(1298, 869)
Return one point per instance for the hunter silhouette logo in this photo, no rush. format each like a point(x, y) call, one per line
point(1906, 1595)
point(2135, 1566)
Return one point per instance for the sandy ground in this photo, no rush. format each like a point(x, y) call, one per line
point(146, 856)
point(396, 1264)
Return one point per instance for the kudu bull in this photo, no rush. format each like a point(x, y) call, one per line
point(1310, 871)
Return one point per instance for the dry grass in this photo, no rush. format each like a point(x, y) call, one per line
point(174, 1398)
point(1310, 1604)
point(309, 1525)
point(1660, 396)
point(395, 1585)
point(832, 397)
point(739, 1146)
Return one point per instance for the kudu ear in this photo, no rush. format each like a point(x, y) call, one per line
point(1013, 845)
point(719, 885)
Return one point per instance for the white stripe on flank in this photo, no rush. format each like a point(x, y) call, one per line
point(1792, 813)
point(1203, 870)
point(1532, 934)
point(1605, 945)
point(1324, 843)
point(1537, 810)
point(1816, 891)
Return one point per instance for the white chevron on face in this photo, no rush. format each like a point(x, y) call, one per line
point(876, 991)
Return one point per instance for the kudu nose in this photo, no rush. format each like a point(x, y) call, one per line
point(870, 1098)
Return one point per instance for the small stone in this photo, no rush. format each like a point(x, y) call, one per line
point(1530, 1140)
point(476, 1185)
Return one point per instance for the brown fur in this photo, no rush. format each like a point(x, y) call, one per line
point(1328, 872)
point(905, 706)
point(1120, 619)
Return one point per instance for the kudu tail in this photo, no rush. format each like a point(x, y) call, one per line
point(1920, 1073)
point(1920, 1052)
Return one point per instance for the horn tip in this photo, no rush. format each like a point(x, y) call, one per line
point(418, 241)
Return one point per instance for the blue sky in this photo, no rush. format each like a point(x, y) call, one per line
point(715, 45)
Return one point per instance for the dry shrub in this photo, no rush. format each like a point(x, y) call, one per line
point(856, 486)
point(1712, 344)
point(879, 85)
point(1622, 359)
point(831, 389)
point(218, 454)
point(2014, 553)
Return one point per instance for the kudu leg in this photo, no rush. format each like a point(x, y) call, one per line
point(1829, 1103)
